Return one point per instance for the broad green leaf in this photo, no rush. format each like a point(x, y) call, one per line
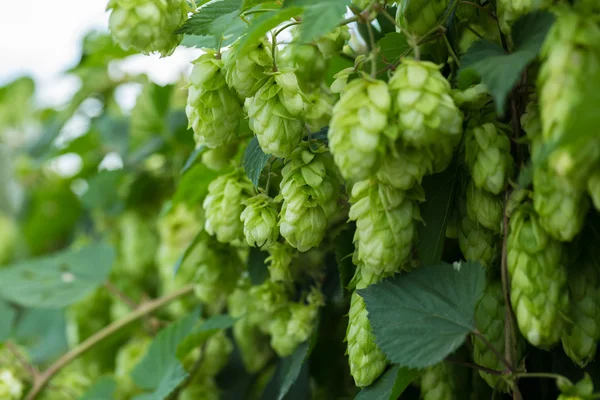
point(160, 370)
point(263, 24)
point(206, 329)
point(391, 47)
point(114, 132)
point(216, 323)
point(7, 319)
point(148, 117)
point(57, 280)
point(43, 333)
point(390, 385)
point(422, 316)
point(321, 17)
point(500, 71)
point(102, 192)
point(247, 4)
point(212, 18)
point(254, 161)
point(257, 267)
point(103, 389)
point(189, 163)
point(436, 213)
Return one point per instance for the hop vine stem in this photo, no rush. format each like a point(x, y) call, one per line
point(42, 380)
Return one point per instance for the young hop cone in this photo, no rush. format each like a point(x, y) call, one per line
point(276, 113)
point(309, 190)
point(137, 241)
point(127, 358)
point(438, 383)
point(404, 167)
point(417, 17)
point(11, 387)
point(219, 158)
point(357, 127)
point(511, 10)
point(539, 293)
point(260, 221)
point(487, 154)
point(484, 208)
point(147, 26)
point(245, 73)
point(279, 262)
point(224, 205)
point(582, 331)
point(213, 109)
point(477, 243)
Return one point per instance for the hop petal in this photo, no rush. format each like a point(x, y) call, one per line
point(260, 221)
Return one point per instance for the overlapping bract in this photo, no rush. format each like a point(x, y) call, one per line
point(246, 72)
point(438, 383)
point(260, 221)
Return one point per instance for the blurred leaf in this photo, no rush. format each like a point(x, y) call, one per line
point(160, 370)
point(291, 367)
point(254, 161)
point(150, 147)
point(57, 280)
point(422, 316)
point(320, 17)
point(7, 319)
point(390, 385)
point(216, 323)
point(114, 133)
point(391, 47)
point(103, 190)
point(99, 49)
point(335, 65)
point(344, 248)
point(148, 116)
point(193, 186)
point(321, 135)
point(43, 333)
point(436, 213)
point(263, 24)
point(10, 192)
point(257, 266)
point(192, 158)
point(212, 18)
point(103, 389)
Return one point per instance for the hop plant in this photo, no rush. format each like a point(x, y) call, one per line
point(204, 388)
point(332, 43)
point(307, 60)
point(137, 236)
point(147, 26)
point(510, 10)
point(561, 206)
point(224, 205)
point(583, 331)
point(427, 115)
point(260, 221)
point(246, 73)
point(279, 262)
point(9, 233)
point(538, 278)
point(309, 189)
point(484, 208)
point(487, 154)
point(419, 17)
point(319, 110)
point(357, 127)
point(477, 243)
point(219, 158)
point(438, 383)
point(213, 109)
point(70, 382)
point(385, 226)
point(276, 113)
point(11, 387)
point(404, 167)
point(127, 358)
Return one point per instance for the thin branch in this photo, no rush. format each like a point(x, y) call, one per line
point(283, 28)
point(451, 50)
point(373, 50)
point(120, 295)
point(274, 50)
point(90, 342)
point(546, 375)
point(476, 367)
point(350, 20)
point(33, 371)
point(494, 350)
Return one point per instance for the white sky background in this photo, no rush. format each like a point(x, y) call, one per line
point(42, 38)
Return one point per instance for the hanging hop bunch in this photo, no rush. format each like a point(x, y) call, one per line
point(276, 113)
point(246, 72)
point(357, 127)
point(476, 242)
point(260, 221)
point(224, 205)
point(403, 167)
point(213, 109)
point(219, 158)
point(538, 279)
point(320, 109)
point(419, 17)
point(147, 26)
point(583, 329)
point(309, 190)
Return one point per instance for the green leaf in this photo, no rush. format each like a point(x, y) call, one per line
point(344, 248)
point(160, 370)
point(193, 186)
point(321, 17)
point(7, 319)
point(212, 18)
point(102, 192)
point(191, 160)
point(390, 385)
point(43, 333)
point(217, 323)
point(254, 161)
point(436, 212)
point(422, 316)
point(391, 47)
point(57, 280)
point(292, 366)
point(500, 71)
point(103, 389)
point(263, 24)
point(257, 267)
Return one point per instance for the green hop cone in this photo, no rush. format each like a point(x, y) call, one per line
point(593, 187)
point(260, 221)
point(211, 352)
point(477, 242)
point(224, 205)
point(417, 17)
point(427, 115)
point(276, 113)
point(279, 262)
point(306, 59)
point(538, 279)
point(147, 26)
point(203, 388)
point(404, 167)
point(319, 110)
point(560, 206)
point(438, 383)
point(219, 158)
point(357, 127)
point(332, 43)
point(473, 98)
point(11, 387)
point(484, 208)
point(125, 361)
point(9, 234)
point(245, 73)
point(583, 329)
point(510, 10)
point(137, 240)
point(70, 382)
point(487, 154)
point(310, 191)
point(213, 109)
point(385, 226)
point(268, 297)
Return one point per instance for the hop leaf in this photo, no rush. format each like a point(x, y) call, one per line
point(510, 10)
point(147, 26)
point(260, 221)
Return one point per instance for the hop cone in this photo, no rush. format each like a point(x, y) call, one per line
point(224, 205)
point(487, 153)
point(246, 72)
point(125, 361)
point(213, 354)
point(203, 388)
point(260, 221)
point(473, 98)
point(580, 336)
point(69, 380)
point(11, 387)
point(332, 43)
point(593, 186)
point(438, 383)
point(279, 262)
point(276, 113)
point(307, 60)
point(137, 241)
point(419, 17)
point(319, 111)
point(477, 243)
point(538, 279)
point(9, 233)
point(484, 208)
point(404, 167)
point(427, 115)
point(357, 126)
point(219, 158)
point(310, 191)
point(147, 26)
point(560, 206)
point(213, 109)
point(385, 226)
point(511, 10)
